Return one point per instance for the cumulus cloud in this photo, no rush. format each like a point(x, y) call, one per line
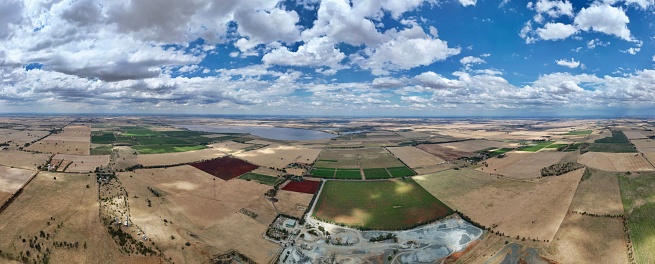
point(468, 60)
point(467, 2)
point(566, 63)
point(552, 8)
point(317, 52)
point(606, 19)
point(436, 81)
point(555, 31)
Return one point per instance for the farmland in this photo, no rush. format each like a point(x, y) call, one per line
point(414, 157)
point(178, 157)
point(445, 153)
point(522, 165)
point(263, 179)
point(82, 163)
point(309, 187)
point(536, 146)
point(393, 204)
point(74, 140)
point(225, 168)
point(531, 209)
point(474, 145)
point(638, 195)
point(598, 193)
point(365, 158)
point(615, 161)
point(24, 160)
point(578, 132)
point(279, 156)
point(617, 143)
point(11, 180)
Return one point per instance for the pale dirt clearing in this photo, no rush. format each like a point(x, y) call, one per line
point(495, 164)
point(279, 156)
point(202, 198)
point(12, 179)
point(229, 146)
point(598, 194)
point(415, 158)
point(178, 157)
point(475, 145)
point(615, 161)
point(526, 208)
point(530, 166)
point(21, 159)
point(69, 201)
point(587, 239)
point(83, 163)
point(292, 203)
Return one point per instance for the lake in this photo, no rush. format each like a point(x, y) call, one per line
point(278, 133)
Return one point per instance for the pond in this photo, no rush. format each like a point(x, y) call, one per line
point(278, 133)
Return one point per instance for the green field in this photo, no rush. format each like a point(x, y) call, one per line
point(323, 172)
point(139, 132)
point(397, 172)
point(385, 205)
point(156, 149)
point(264, 179)
point(499, 151)
point(104, 137)
point(348, 174)
point(161, 141)
point(554, 146)
point(617, 143)
point(538, 146)
point(578, 132)
point(638, 195)
point(376, 173)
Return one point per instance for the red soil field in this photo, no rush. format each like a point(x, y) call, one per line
point(309, 187)
point(225, 168)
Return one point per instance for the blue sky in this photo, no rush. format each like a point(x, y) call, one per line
point(334, 57)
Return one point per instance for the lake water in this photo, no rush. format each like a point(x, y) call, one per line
point(278, 133)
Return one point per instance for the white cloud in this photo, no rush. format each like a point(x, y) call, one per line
point(566, 63)
point(606, 19)
point(468, 60)
point(269, 26)
point(596, 42)
point(317, 52)
point(554, 8)
point(436, 81)
point(468, 2)
point(556, 31)
point(385, 82)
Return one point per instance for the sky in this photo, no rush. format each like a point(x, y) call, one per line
point(331, 57)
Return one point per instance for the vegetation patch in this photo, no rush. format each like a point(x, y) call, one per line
point(499, 151)
point(400, 172)
point(310, 187)
point(264, 179)
point(617, 143)
point(560, 168)
point(102, 150)
point(638, 196)
point(536, 147)
point(577, 132)
point(385, 205)
point(102, 137)
point(323, 173)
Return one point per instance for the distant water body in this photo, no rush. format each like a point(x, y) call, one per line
point(278, 133)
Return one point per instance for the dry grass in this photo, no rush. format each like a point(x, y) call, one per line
point(587, 239)
point(531, 209)
point(178, 157)
point(82, 163)
point(615, 161)
point(71, 203)
point(21, 159)
point(74, 140)
point(644, 145)
point(11, 180)
point(292, 203)
point(201, 209)
point(279, 156)
point(530, 166)
point(229, 146)
point(475, 145)
point(443, 152)
point(633, 134)
point(598, 194)
point(498, 164)
point(415, 158)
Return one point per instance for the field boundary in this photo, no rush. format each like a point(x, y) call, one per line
point(17, 193)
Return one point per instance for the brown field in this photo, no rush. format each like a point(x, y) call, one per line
point(18, 138)
point(83, 163)
point(644, 145)
point(615, 161)
point(475, 145)
point(414, 135)
point(436, 168)
point(374, 157)
point(530, 166)
point(445, 153)
point(71, 203)
point(122, 157)
point(279, 156)
point(415, 158)
point(587, 239)
point(201, 209)
point(491, 249)
point(292, 203)
point(11, 180)
point(187, 187)
point(498, 164)
point(21, 159)
point(633, 134)
point(178, 157)
point(598, 194)
point(74, 140)
point(229, 146)
point(531, 209)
